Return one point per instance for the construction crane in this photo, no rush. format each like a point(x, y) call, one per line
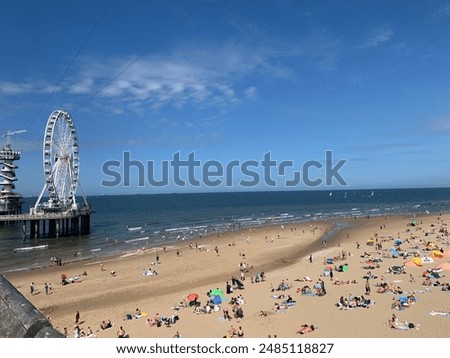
point(9, 134)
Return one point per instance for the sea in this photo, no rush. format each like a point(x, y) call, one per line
point(123, 223)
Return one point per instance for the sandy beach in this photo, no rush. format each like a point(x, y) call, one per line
point(291, 256)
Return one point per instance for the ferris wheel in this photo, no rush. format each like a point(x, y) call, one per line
point(61, 161)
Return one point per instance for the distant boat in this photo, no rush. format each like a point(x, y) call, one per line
point(331, 193)
point(371, 194)
point(134, 228)
point(29, 248)
point(345, 195)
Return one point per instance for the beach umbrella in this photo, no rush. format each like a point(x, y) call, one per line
point(192, 297)
point(216, 292)
point(437, 254)
point(398, 242)
point(417, 261)
point(217, 300)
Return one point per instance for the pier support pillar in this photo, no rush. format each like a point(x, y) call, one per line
point(52, 228)
point(24, 230)
point(85, 223)
point(75, 226)
point(57, 227)
point(32, 229)
point(36, 228)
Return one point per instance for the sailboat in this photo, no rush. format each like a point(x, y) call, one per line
point(371, 194)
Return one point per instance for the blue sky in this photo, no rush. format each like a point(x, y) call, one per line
point(232, 80)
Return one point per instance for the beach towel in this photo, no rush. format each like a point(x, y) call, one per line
point(439, 313)
point(394, 252)
point(403, 327)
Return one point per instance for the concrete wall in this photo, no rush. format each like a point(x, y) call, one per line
point(19, 318)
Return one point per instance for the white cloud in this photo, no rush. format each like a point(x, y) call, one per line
point(442, 12)
point(83, 86)
point(203, 75)
point(9, 88)
point(380, 35)
point(33, 86)
point(250, 92)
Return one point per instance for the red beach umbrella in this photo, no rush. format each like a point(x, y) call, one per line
point(192, 297)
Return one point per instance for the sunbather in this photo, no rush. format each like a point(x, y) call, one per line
point(304, 329)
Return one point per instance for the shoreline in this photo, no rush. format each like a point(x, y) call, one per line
point(156, 246)
point(159, 246)
point(281, 253)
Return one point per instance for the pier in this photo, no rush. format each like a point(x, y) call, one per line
point(51, 225)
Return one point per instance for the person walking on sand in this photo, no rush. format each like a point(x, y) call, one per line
point(77, 317)
point(32, 288)
point(367, 287)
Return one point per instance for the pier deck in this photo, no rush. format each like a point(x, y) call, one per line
point(51, 224)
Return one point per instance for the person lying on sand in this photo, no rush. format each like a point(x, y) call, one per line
point(304, 279)
point(402, 325)
point(305, 329)
point(341, 282)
